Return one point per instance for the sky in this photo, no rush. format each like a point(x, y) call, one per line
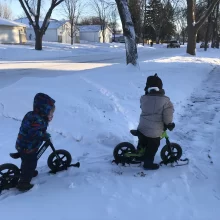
point(57, 13)
point(17, 11)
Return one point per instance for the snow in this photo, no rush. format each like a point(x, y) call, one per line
point(89, 28)
point(6, 22)
point(97, 102)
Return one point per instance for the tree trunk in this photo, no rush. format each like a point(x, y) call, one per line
point(218, 42)
point(192, 33)
point(193, 27)
point(143, 39)
point(216, 32)
point(157, 39)
point(144, 24)
point(191, 45)
point(103, 35)
point(207, 30)
point(183, 35)
point(129, 32)
point(215, 28)
point(207, 33)
point(71, 34)
point(114, 34)
point(213, 36)
point(38, 41)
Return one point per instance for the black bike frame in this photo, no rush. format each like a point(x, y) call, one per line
point(168, 144)
point(44, 147)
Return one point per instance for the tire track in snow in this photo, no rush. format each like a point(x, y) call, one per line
point(110, 95)
point(105, 92)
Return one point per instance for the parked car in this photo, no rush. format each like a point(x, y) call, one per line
point(173, 44)
point(121, 39)
point(202, 45)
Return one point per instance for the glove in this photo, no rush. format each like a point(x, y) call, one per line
point(46, 136)
point(171, 126)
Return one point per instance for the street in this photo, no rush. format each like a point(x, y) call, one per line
point(12, 71)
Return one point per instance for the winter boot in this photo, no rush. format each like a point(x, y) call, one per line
point(24, 186)
point(152, 166)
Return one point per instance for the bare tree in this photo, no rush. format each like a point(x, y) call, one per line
point(129, 32)
point(144, 19)
point(180, 19)
point(73, 10)
point(207, 34)
point(193, 25)
point(101, 8)
point(113, 20)
point(215, 42)
point(135, 8)
point(5, 11)
point(32, 9)
point(90, 21)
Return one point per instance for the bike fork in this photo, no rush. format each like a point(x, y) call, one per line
point(169, 146)
point(57, 156)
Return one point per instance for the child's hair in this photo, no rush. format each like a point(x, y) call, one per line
point(53, 108)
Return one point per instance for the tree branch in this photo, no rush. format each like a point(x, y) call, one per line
point(38, 8)
point(57, 3)
point(206, 14)
point(29, 8)
point(26, 12)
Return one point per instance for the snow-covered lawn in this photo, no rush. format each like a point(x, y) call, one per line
point(95, 108)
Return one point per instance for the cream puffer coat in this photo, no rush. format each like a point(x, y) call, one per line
point(157, 110)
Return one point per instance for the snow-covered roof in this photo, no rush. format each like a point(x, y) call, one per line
point(89, 28)
point(54, 24)
point(6, 22)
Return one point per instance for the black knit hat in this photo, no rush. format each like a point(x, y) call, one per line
point(153, 81)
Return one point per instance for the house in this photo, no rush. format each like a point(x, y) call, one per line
point(12, 32)
point(93, 33)
point(57, 31)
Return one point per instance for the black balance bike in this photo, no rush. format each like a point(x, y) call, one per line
point(126, 153)
point(58, 160)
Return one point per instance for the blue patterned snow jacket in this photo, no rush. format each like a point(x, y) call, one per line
point(34, 124)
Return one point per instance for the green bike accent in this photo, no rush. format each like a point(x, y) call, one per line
point(140, 152)
point(164, 135)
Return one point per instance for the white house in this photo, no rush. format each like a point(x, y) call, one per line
point(57, 31)
point(12, 32)
point(93, 33)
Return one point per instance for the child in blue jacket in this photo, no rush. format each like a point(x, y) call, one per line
point(30, 137)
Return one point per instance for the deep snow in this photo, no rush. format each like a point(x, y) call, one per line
point(95, 108)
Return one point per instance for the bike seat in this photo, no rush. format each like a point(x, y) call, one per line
point(15, 155)
point(134, 132)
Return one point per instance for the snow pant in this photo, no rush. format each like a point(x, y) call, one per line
point(151, 146)
point(28, 166)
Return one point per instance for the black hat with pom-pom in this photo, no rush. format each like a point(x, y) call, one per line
point(153, 81)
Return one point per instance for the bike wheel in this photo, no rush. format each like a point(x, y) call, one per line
point(55, 164)
point(121, 149)
point(9, 176)
point(176, 153)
